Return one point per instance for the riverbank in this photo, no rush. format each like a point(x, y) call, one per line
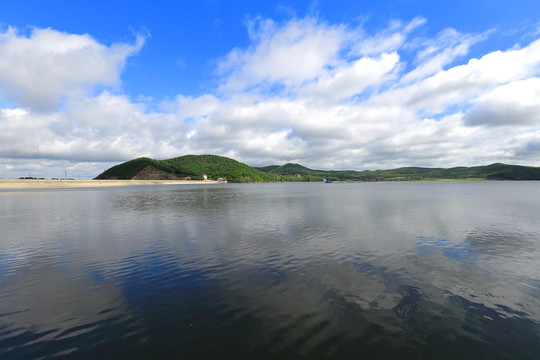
point(46, 183)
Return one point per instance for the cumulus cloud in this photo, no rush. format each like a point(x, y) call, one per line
point(388, 40)
point(526, 145)
point(461, 84)
point(435, 54)
point(289, 54)
point(325, 95)
point(513, 104)
point(351, 79)
point(36, 71)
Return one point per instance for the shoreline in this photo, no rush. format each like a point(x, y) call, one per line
point(51, 184)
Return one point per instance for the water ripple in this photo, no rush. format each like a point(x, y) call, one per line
point(272, 271)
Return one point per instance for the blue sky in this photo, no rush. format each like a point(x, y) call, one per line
point(328, 84)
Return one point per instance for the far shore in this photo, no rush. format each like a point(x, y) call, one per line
point(46, 183)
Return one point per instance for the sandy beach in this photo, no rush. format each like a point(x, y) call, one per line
point(43, 184)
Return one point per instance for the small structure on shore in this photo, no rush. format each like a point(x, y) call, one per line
point(205, 177)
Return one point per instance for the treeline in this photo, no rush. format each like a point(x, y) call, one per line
point(215, 167)
point(189, 166)
point(490, 172)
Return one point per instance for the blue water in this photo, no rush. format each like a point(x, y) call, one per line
point(419, 270)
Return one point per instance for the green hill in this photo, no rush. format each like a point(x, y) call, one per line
point(267, 169)
point(292, 169)
point(489, 172)
point(296, 172)
point(127, 170)
point(188, 166)
point(194, 166)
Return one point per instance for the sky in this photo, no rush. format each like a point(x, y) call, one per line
point(334, 85)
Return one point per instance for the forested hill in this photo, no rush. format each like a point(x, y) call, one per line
point(194, 166)
point(186, 167)
point(489, 172)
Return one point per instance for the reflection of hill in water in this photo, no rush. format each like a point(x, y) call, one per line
point(391, 270)
point(192, 199)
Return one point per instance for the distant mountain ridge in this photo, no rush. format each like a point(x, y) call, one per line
point(495, 171)
point(194, 166)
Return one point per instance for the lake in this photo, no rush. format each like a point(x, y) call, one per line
point(405, 270)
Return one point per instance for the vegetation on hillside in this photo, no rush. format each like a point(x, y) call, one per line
point(194, 166)
point(489, 172)
point(214, 167)
point(127, 170)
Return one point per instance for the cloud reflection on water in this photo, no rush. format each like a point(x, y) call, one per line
point(286, 268)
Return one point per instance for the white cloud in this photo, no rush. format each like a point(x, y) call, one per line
point(351, 79)
point(106, 128)
point(191, 108)
point(439, 52)
point(526, 145)
point(461, 84)
point(386, 41)
point(326, 96)
point(38, 70)
point(289, 54)
point(513, 104)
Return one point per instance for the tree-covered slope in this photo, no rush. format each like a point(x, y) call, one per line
point(192, 166)
point(266, 169)
point(292, 169)
point(127, 170)
point(215, 167)
point(489, 172)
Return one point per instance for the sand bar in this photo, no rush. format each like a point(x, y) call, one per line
point(43, 184)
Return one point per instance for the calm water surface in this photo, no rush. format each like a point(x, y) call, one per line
point(420, 270)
